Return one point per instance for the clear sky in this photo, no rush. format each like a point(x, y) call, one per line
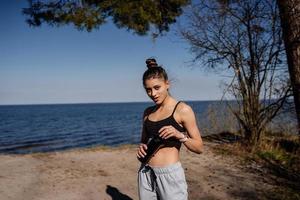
point(63, 65)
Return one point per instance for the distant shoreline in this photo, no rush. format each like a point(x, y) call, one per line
point(208, 138)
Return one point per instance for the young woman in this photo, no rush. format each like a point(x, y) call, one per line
point(162, 176)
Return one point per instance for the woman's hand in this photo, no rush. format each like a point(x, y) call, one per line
point(169, 131)
point(142, 151)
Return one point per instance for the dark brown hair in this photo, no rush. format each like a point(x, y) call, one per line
point(154, 71)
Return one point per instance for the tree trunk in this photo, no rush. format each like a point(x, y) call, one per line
point(290, 23)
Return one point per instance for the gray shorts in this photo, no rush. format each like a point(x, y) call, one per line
point(163, 183)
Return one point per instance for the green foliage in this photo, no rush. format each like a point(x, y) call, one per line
point(136, 15)
point(275, 155)
point(275, 151)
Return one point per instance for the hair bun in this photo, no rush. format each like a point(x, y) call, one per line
point(151, 62)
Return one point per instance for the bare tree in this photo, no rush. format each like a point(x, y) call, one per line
point(244, 39)
point(290, 22)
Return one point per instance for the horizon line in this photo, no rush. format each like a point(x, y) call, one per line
point(104, 102)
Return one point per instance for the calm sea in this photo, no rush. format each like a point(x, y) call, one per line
point(42, 128)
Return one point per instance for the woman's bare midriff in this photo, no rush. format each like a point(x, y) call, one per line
point(164, 156)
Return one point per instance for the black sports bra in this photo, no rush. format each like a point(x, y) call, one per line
point(152, 128)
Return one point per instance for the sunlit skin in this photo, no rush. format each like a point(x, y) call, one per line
point(157, 90)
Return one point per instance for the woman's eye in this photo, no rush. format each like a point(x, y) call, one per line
point(157, 88)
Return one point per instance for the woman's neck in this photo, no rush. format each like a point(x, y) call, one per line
point(166, 102)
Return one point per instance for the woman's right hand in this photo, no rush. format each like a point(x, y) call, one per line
point(142, 150)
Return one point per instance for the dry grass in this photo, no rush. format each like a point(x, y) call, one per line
point(282, 150)
point(275, 157)
point(217, 119)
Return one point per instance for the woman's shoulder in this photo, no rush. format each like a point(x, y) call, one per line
point(184, 108)
point(148, 110)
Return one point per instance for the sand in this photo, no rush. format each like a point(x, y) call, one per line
point(111, 173)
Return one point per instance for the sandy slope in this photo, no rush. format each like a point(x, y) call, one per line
point(100, 173)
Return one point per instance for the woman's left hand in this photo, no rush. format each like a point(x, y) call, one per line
point(169, 131)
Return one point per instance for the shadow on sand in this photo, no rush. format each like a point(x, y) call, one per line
point(116, 194)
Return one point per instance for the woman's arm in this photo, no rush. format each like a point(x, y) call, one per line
point(194, 142)
point(188, 120)
point(144, 134)
point(141, 151)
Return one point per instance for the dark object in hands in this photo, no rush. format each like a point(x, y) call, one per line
point(153, 145)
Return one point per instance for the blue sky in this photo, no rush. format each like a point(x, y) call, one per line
point(64, 65)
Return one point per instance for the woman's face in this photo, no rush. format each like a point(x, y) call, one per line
point(157, 89)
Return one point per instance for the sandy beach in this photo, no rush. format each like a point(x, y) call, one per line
point(110, 173)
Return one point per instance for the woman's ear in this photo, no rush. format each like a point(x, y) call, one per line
point(168, 84)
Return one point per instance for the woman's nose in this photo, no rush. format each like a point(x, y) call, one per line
point(153, 94)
